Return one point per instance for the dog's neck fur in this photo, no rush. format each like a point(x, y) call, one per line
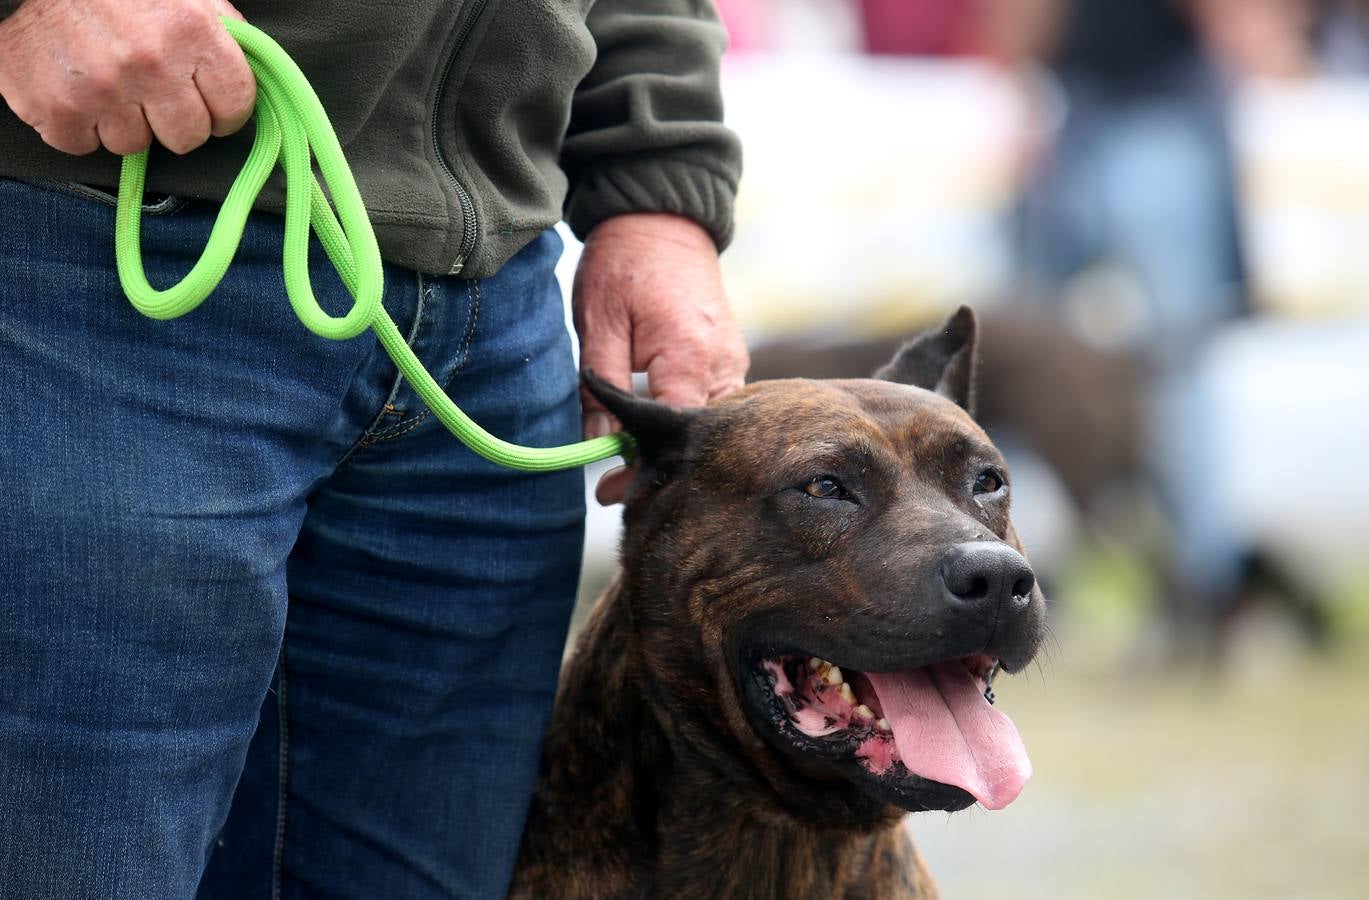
point(620, 812)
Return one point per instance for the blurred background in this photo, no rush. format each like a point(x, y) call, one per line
point(1160, 209)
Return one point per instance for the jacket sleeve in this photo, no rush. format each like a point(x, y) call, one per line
point(646, 132)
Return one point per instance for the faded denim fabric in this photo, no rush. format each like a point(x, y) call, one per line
point(266, 628)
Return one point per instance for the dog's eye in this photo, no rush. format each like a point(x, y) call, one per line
point(827, 488)
point(988, 482)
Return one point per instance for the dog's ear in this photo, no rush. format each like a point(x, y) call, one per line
point(941, 360)
point(659, 431)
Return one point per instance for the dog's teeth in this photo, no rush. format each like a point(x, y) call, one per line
point(847, 694)
point(814, 663)
point(832, 676)
point(883, 725)
point(865, 712)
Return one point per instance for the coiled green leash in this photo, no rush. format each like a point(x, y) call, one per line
point(291, 123)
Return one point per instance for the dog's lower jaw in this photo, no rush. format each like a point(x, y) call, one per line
point(618, 813)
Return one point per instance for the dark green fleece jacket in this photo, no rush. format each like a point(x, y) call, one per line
point(472, 125)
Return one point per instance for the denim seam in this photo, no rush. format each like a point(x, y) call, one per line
point(425, 293)
point(464, 354)
point(282, 776)
point(365, 439)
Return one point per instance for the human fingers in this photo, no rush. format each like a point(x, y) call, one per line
point(613, 485)
point(179, 117)
point(699, 367)
point(225, 80)
point(124, 130)
point(605, 349)
point(67, 128)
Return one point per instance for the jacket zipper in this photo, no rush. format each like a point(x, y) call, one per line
point(468, 227)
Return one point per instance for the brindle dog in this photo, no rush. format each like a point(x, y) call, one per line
point(819, 581)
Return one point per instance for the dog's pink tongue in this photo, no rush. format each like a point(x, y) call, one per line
point(946, 731)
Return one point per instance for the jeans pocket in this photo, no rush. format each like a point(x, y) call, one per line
point(153, 204)
point(441, 335)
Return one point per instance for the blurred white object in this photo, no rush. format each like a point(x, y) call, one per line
point(1302, 151)
point(1291, 421)
point(874, 189)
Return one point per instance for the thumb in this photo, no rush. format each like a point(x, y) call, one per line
point(608, 351)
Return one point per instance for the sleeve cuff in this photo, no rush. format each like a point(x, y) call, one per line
point(683, 186)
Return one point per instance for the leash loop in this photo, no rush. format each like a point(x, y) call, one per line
point(292, 129)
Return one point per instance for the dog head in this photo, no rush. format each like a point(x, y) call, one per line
point(822, 578)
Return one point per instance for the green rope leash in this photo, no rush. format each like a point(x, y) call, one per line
point(291, 124)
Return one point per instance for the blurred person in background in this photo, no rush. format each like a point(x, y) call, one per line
point(1341, 33)
point(1129, 227)
point(937, 28)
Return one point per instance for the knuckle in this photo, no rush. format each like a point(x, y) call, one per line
point(697, 359)
point(24, 111)
point(142, 59)
point(74, 144)
point(190, 22)
point(126, 143)
point(67, 118)
point(183, 125)
point(181, 144)
point(678, 381)
point(240, 92)
point(690, 339)
point(698, 366)
point(66, 107)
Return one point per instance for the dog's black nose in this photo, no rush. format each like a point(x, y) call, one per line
point(988, 574)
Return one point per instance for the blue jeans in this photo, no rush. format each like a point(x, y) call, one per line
point(267, 629)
